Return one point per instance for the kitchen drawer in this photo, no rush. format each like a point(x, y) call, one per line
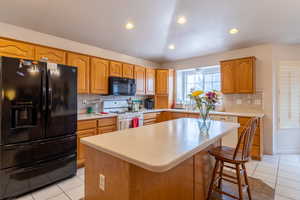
point(86, 124)
point(150, 121)
point(179, 115)
point(106, 129)
point(193, 115)
point(110, 121)
point(150, 116)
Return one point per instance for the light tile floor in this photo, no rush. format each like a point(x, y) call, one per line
point(281, 172)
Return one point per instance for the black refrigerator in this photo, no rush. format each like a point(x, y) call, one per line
point(38, 108)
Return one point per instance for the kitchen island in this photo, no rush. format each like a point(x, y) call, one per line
point(163, 161)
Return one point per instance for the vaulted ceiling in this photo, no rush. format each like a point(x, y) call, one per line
point(101, 23)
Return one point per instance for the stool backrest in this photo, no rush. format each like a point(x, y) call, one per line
point(245, 141)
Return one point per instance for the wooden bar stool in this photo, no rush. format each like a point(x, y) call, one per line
point(226, 156)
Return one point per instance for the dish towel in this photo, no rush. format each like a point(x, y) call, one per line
point(135, 122)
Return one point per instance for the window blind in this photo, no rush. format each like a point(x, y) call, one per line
point(289, 95)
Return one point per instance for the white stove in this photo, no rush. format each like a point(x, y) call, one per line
point(125, 118)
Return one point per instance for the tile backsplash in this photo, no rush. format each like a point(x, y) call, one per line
point(244, 102)
point(90, 100)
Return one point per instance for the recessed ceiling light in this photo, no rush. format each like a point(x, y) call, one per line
point(181, 20)
point(233, 31)
point(172, 46)
point(129, 26)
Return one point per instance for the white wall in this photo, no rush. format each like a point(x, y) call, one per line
point(19, 33)
point(264, 79)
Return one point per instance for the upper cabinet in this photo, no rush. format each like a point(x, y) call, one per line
point(15, 49)
point(128, 71)
point(164, 88)
point(150, 81)
point(140, 75)
point(51, 55)
point(238, 76)
point(115, 69)
point(83, 70)
point(162, 82)
point(99, 76)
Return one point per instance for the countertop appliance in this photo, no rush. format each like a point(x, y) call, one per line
point(124, 116)
point(38, 125)
point(122, 86)
point(149, 103)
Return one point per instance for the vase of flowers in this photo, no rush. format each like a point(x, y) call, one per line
point(205, 102)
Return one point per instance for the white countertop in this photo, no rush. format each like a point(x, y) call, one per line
point(159, 147)
point(240, 114)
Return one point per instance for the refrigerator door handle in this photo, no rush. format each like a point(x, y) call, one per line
point(50, 92)
point(44, 92)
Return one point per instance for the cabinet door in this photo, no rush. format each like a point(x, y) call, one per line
point(245, 75)
point(15, 49)
point(52, 55)
point(80, 147)
point(128, 71)
point(99, 76)
point(115, 69)
point(83, 70)
point(228, 77)
point(139, 75)
point(150, 81)
point(162, 81)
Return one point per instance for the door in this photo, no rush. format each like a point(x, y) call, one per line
point(244, 75)
point(16, 49)
point(22, 105)
point(128, 71)
point(139, 75)
point(83, 71)
point(61, 100)
point(228, 77)
point(289, 107)
point(162, 79)
point(150, 81)
point(99, 76)
point(51, 55)
point(115, 69)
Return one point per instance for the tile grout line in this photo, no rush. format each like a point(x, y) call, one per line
point(64, 192)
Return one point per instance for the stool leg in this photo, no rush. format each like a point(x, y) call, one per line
point(221, 175)
point(237, 167)
point(247, 182)
point(211, 186)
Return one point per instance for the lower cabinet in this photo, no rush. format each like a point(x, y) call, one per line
point(87, 128)
point(150, 118)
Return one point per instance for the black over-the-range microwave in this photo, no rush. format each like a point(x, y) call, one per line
point(122, 86)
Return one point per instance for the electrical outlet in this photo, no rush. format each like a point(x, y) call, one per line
point(239, 101)
point(102, 182)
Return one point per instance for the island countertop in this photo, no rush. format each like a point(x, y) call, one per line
point(162, 146)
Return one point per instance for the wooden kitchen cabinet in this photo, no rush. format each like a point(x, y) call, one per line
point(80, 147)
point(83, 70)
point(164, 88)
point(11, 48)
point(151, 118)
point(87, 128)
point(115, 69)
point(150, 81)
point(128, 71)
point(162, 82)
point(140, 75)
point(99, 76)
point(51, 55)
point(257, 146)
point(238, 76)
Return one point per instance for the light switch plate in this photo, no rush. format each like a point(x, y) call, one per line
point(239, 101)
point(102, 182)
